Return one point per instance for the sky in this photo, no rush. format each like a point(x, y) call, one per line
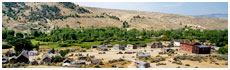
point(182, 8)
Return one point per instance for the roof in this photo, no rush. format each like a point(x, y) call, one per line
point(5, 57)
point(140, 62)
point(143, 54)
point(165, 48)
point(82, 61)
point(24, 53)
point(14, 57)
point(116, 45)
point(95, 61)
point(66, 64)
point(49, 55)
point(156, 42)
point(103, 47)
point(189, 42)
point(67, 60)
point(10, 51)
point(33, 51)
point(203, 46)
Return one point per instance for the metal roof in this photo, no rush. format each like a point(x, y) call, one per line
point(203, 46)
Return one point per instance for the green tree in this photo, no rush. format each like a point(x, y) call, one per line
point(21, 44)
point(19, 35)
point(223, 50)
point(64, 52)
point(125, 24)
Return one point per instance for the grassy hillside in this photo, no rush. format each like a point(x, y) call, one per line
point(21, 16)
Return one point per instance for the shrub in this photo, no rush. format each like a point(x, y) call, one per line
point(162, 59)
point(160, 64)
point(114, 65)
point(187, 64)
point(63, 45)
point(97, 66)
point(154, 60)
point(123, 63)
point(223, 50)
point(56, 59)
point(6, 46)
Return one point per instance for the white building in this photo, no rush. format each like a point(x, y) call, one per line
point(33, 53)
point(176, 44)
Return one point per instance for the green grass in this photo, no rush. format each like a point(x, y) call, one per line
point(88, 44)
point(45, 44)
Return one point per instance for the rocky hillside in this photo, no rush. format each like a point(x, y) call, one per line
point(22, 16)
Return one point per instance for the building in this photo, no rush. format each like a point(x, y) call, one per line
point(34, 62)
point(165, 49)
point(82, 58)
point(35, 28)
point(46, 58)
point(67, 61)
point(155, 44)
point(100, 47)
point(143, 55)
point(5, 59)
point(176, 43)
point(13, 59)
point(76, 64)
point(22, 57)
point(66, 64)
point(82, 61)
point(109, 46)
point(130, 46)
point(119, 47)
point(33, 53)
point(194, 47)
point(202, 49)
point(141, 64)
point(94, 46)
point(95, 61)
point(10, 53)
point(167, 43)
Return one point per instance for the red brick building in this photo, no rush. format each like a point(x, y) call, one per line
point(194, 47)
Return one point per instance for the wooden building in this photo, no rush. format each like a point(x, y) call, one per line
point(194, 47)
point(155, 44)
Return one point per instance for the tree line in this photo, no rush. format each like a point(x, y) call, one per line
point(110, 34)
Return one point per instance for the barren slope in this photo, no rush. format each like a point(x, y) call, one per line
point(53, 14)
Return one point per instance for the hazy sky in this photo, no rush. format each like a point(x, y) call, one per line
point(183, 8)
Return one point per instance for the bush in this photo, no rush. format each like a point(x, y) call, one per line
point(162, 59)
point(6, 46)
point(187, 64)
point(154, 60)
point(97, 66)
point(56, 59)
point(160, 64)
point(223, 50)
point(114, 65)
point(63, 45)
point(123, 63)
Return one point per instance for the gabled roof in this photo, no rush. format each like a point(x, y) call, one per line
point(140, 62)
point(14, 57)
point(24, 53)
